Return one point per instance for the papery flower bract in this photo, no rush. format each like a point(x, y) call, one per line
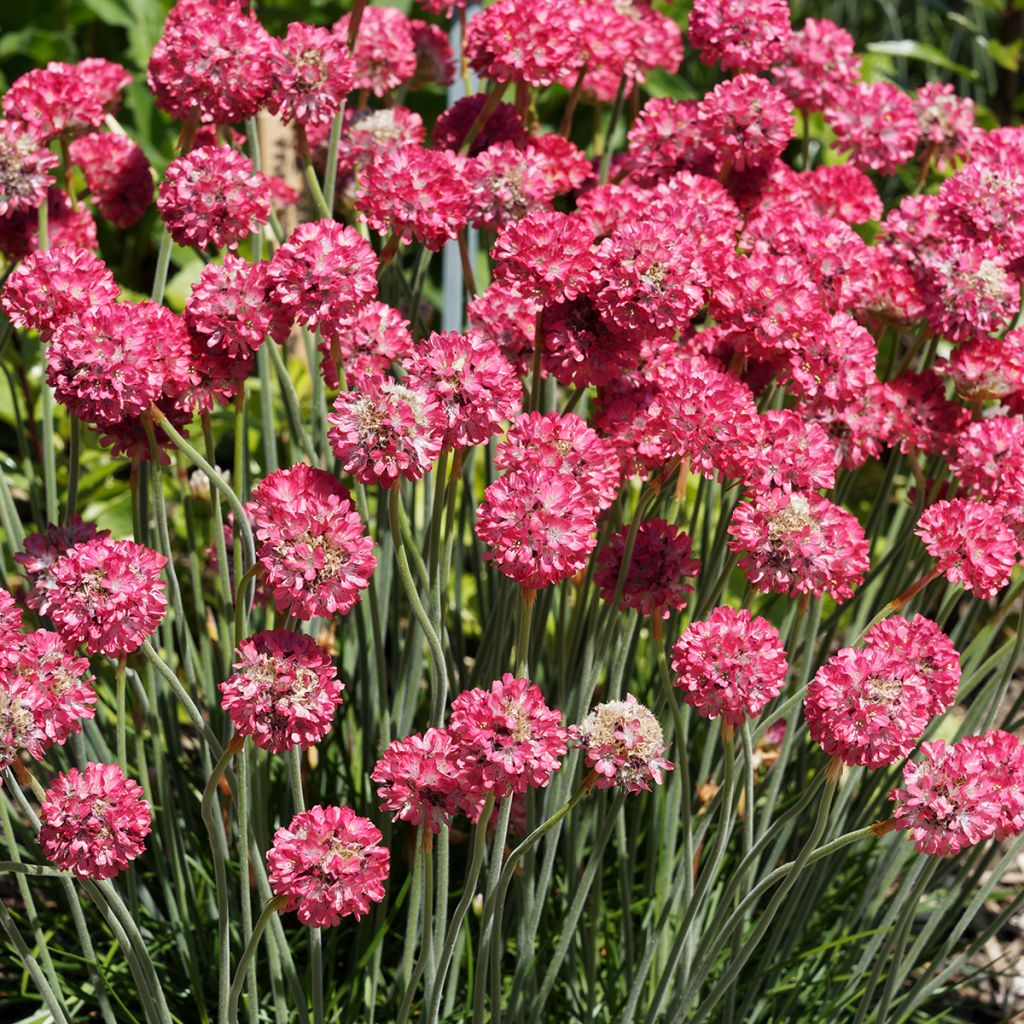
point(284, 691)
point(213, 197)
point(539, 526)
point(54, 284)
point(107, 595)
point(655, 582)
point(94, 822)
point(731, 664)
point(329, 864)
point(506, 739)
point(623, 743)
point(876, 124)
point(740, 35)
point(419, 779)
point(313, 73)
point(385, 431)
point(799, 543)
point(117, 173)
point(311, 542)
point(971, 544)
point(25, 167)
point(385, 50)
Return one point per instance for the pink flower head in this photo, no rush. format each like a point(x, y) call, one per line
point(731, 665)
point(506, 315)
point(469, 380)
point(412, 192)
point(94, 823)
point(506, 183)
point(539, 525)
point(564, 443)
point(284, 691)
point(385, 431)
point(947, 122)
point(868, 707)
point(623, 742)
point(926, 650)
point(435, 59)
point(117, 173)
point(517, 41)
point(453, 125)
point(213, 197)
point(546, 255)
point(329, 864)
point(877, 124)
point(10, 619)
point(988, 368)
point(323, 273)
point(419, 779)
point(66, 225)
point(819, 64)
point(974, 205)
point(741, 35)
point(368, 342)
point(313, 74)
point(385, 50)
point(42, 550)
point(109, 364)
point(54, 284)
point(656, 579)
point(786, 451)
point(311, 542)
point(990, 457)
point(835, 363)
point(506, 738)
point(25, 167)
point(971, 544)
point(214, 60)
point(962, 794)
point(22, 709)
point(747, 121)
point(108, 595)
point(916, 415)
point(371, 134)
point(799, 543)
point(651, 279)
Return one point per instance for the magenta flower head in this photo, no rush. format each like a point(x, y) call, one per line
point(284, 691)
point(746, 121)
point(819, 63)
point(313, 74)
point(25, 166)
point(971, 544)
point(961, 794)
point(385, 51)
point(94, 823)
point(328, 864)
point(731, 665)
point(312, 544)
point(118, 176)
point(656, 580)
point(385, 431)
point(419, 779)
point(799, 543)
point(741, 35)
point(623, 744)
point(507, 739)
point(42, 550)
point(10, 622)
point(877, 124)
point(107, 595)
point(23, 706)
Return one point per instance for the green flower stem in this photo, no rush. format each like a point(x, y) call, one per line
point(163, 264)
point(527, 602)
point(487, 918)
point(122, 715)
point(74, 466)
point(273, 906)
point(243, 875)
point(425, 853)
point(217, 520)
point(50, 998)
point(291, 402)
point(613, 120)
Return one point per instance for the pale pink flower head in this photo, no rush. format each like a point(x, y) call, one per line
point(284, 691)
point(868, 706)
point(117, 173)
point(926, 650)
point(53, 284)
point(546, 255)
point(819, 63)
point(368, 342)
point(313, 74)
point(212, 197)
point(419, 779)
point(661, 563)
point(214, 60)
point(539, 527)
point(564, 443)
point(506, 738)
point(471, 382)
point(107, 595)
point(732, 664)
point(947, 122)
point(799, 543)
point(506, 183)
point(25, 166)
point(94, 822)
point(741, 35)
point(323, 273)
point(416, 193)
point(623, 744)
point(971, 544)
point(876, 124)
point(385, 50)
point(312, 545)
point(519, 41)
point(329, 863)
point(963, 793)
point(371, 134)
point(746, 121)
point(385, 431)
point(41, 551)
